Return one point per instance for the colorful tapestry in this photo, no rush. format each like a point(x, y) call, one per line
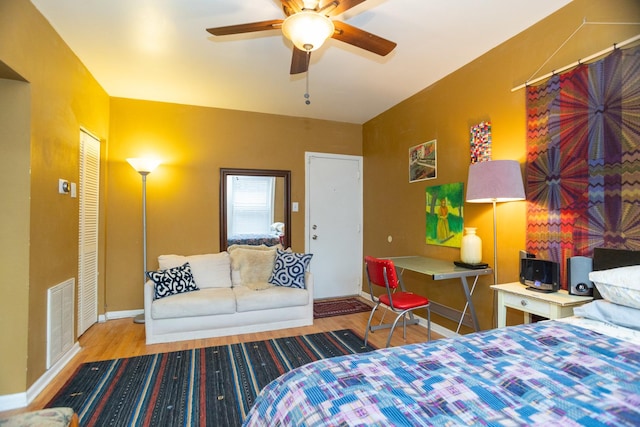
point(583, 159)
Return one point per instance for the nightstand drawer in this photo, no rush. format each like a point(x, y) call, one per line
point(529, 305)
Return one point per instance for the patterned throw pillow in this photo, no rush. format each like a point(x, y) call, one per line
point(289, 269)
point(172, 281)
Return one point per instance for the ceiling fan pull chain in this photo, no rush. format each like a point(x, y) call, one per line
point(306, 94)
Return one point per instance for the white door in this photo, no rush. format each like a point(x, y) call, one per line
point(334, 223)
point(89, 191)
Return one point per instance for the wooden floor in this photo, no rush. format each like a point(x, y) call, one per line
point(122, 338)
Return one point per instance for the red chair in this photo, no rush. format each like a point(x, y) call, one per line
point(382, 272)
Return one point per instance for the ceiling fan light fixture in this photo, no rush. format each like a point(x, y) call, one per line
point(307, 30)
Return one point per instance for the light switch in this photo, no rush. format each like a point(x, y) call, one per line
point(74, 191)
point(294, 206)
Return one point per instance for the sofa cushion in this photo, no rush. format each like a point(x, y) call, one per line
point(209, 301)
point(289, 269)
point(254, 266)
point(209, 270)
point(274, 297)
point(172, 281)
point(258, 286)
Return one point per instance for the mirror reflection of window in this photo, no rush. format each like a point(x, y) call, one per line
point(254, 207)
point(250, 206)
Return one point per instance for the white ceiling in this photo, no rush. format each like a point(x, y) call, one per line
point(159, 50)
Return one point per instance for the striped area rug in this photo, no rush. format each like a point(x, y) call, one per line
point(213, 386)
point(338, 307)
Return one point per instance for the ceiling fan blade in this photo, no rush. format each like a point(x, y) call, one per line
point(273, 24)
point(291, 6)
point(340, 6)
point(362, 39)
point(299, 61)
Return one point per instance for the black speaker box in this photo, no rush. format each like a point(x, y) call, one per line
point(578, 269)
point(540, 275)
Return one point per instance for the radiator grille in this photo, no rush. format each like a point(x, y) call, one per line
point(59, 320)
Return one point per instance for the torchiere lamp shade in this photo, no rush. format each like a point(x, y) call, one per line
point(495, 181)
point(143, 165)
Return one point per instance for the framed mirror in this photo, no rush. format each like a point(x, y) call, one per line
point(255, 207)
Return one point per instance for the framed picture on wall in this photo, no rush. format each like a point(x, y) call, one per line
point(480, 142)
point(444, 214)
point(422, 161)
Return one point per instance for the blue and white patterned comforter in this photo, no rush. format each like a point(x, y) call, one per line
point(547, 373)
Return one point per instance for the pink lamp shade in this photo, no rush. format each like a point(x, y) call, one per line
point(495, 181)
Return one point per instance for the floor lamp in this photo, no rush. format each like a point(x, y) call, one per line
point(492, 182)
point(144, 167)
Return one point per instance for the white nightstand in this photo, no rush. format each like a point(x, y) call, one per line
point(552, 305)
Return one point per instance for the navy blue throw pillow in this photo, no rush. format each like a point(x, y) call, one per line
point(172, 281)
point(289, 269)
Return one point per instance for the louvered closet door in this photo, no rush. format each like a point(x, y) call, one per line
point(88, 235)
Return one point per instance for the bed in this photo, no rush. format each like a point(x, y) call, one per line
point(583, 370)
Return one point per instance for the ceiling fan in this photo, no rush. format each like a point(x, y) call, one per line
point(308, 25)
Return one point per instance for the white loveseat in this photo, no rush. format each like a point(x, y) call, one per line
point(233, 298)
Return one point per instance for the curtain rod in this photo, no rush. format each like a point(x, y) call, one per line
point(578, 62)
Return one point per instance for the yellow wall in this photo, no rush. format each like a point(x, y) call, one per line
point(14, 228)
point(445, 111)
point(183, 192)
point(63, 97)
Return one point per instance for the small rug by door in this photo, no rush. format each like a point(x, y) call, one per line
point(339, 307)
point(213, 386)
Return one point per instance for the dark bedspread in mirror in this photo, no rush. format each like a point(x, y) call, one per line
point(255, 207)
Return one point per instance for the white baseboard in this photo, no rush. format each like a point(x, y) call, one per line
point(21, 400)
point(13, 401)
point(438, 329)
point(111, 315)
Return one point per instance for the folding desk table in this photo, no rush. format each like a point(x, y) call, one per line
point(440, 270)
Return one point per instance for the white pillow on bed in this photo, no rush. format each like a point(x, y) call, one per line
point(609, 312)
point(619, 285)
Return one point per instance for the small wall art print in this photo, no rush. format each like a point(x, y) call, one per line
point(444, 218)
point(422, 161)
point(480, 142)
